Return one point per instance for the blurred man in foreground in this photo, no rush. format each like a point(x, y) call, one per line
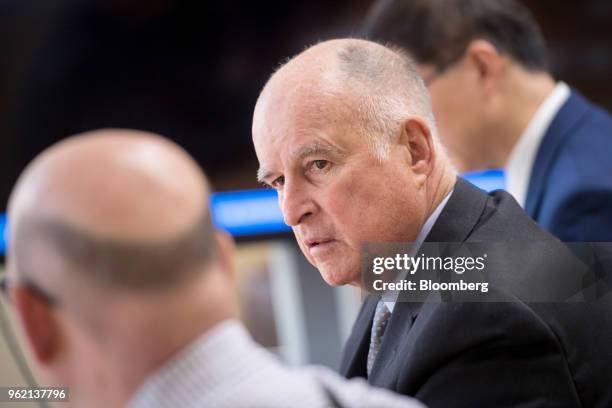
point(345, 134)
point(123, 289)
point(498, 106)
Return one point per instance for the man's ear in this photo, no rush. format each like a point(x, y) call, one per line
point(487, 62)
point(417, 138)
point(227, 252)
point(38, 323)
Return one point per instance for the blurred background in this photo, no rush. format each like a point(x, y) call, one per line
point(192, 70)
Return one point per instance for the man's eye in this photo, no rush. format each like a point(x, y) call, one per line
point(278, 182)
point(320, 164)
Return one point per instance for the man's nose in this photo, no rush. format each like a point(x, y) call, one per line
point(296, 203)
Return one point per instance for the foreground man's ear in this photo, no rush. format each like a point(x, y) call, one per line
point(39, 324)
point(227, 252)
point(416, 137)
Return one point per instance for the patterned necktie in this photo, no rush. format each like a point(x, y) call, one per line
point(381, 317)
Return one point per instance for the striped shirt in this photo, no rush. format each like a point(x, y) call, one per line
point(225, 368)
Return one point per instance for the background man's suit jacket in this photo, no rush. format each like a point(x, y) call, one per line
point(504, 354)
point(570, 188)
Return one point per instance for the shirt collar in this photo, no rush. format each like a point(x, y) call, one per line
point(200, 365)
point(521, 159)
point(431, 220)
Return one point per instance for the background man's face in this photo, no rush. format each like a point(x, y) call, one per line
point(456, 110)
point(332, 190)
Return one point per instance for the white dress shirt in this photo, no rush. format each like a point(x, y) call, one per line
point(521, 159)
point(226, 368)
point(431, 220)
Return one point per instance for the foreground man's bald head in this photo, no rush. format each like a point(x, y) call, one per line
point(118, 193)
point(344, 132)
point(126, 192)
point(112, 247)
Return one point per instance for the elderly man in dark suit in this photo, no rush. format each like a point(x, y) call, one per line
point(344, 132)
point(498, 106)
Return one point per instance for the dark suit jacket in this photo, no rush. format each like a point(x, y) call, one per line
point(503, 354)
point(570, 189)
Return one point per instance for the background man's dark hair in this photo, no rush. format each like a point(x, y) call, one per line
point(438, 31)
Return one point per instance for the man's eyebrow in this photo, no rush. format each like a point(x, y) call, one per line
point(263, 174)
point(317, 149)
point(312, 149)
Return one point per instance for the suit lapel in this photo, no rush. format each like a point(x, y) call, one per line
point(384, 373)
point(560, 128)
point(355, 356)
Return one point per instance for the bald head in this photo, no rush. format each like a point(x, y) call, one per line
point(371, 86)
point(121, 207)
point(111, 245)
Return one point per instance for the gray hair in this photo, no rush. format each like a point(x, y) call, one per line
point(388, 87)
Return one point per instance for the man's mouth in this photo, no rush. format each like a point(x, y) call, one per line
point(319, 244)
point(311, 243)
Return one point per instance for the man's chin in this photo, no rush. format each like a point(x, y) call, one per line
point(335, 279)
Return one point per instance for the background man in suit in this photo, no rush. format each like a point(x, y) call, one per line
point(124, 292)
point(344, 133)
point(497, 106)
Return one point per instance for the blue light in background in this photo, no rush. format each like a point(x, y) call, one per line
point(248, 212)
point(2, 234)
point(487, 180)
point(256, 212)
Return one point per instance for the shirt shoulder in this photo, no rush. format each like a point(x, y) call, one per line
point(357, 393)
